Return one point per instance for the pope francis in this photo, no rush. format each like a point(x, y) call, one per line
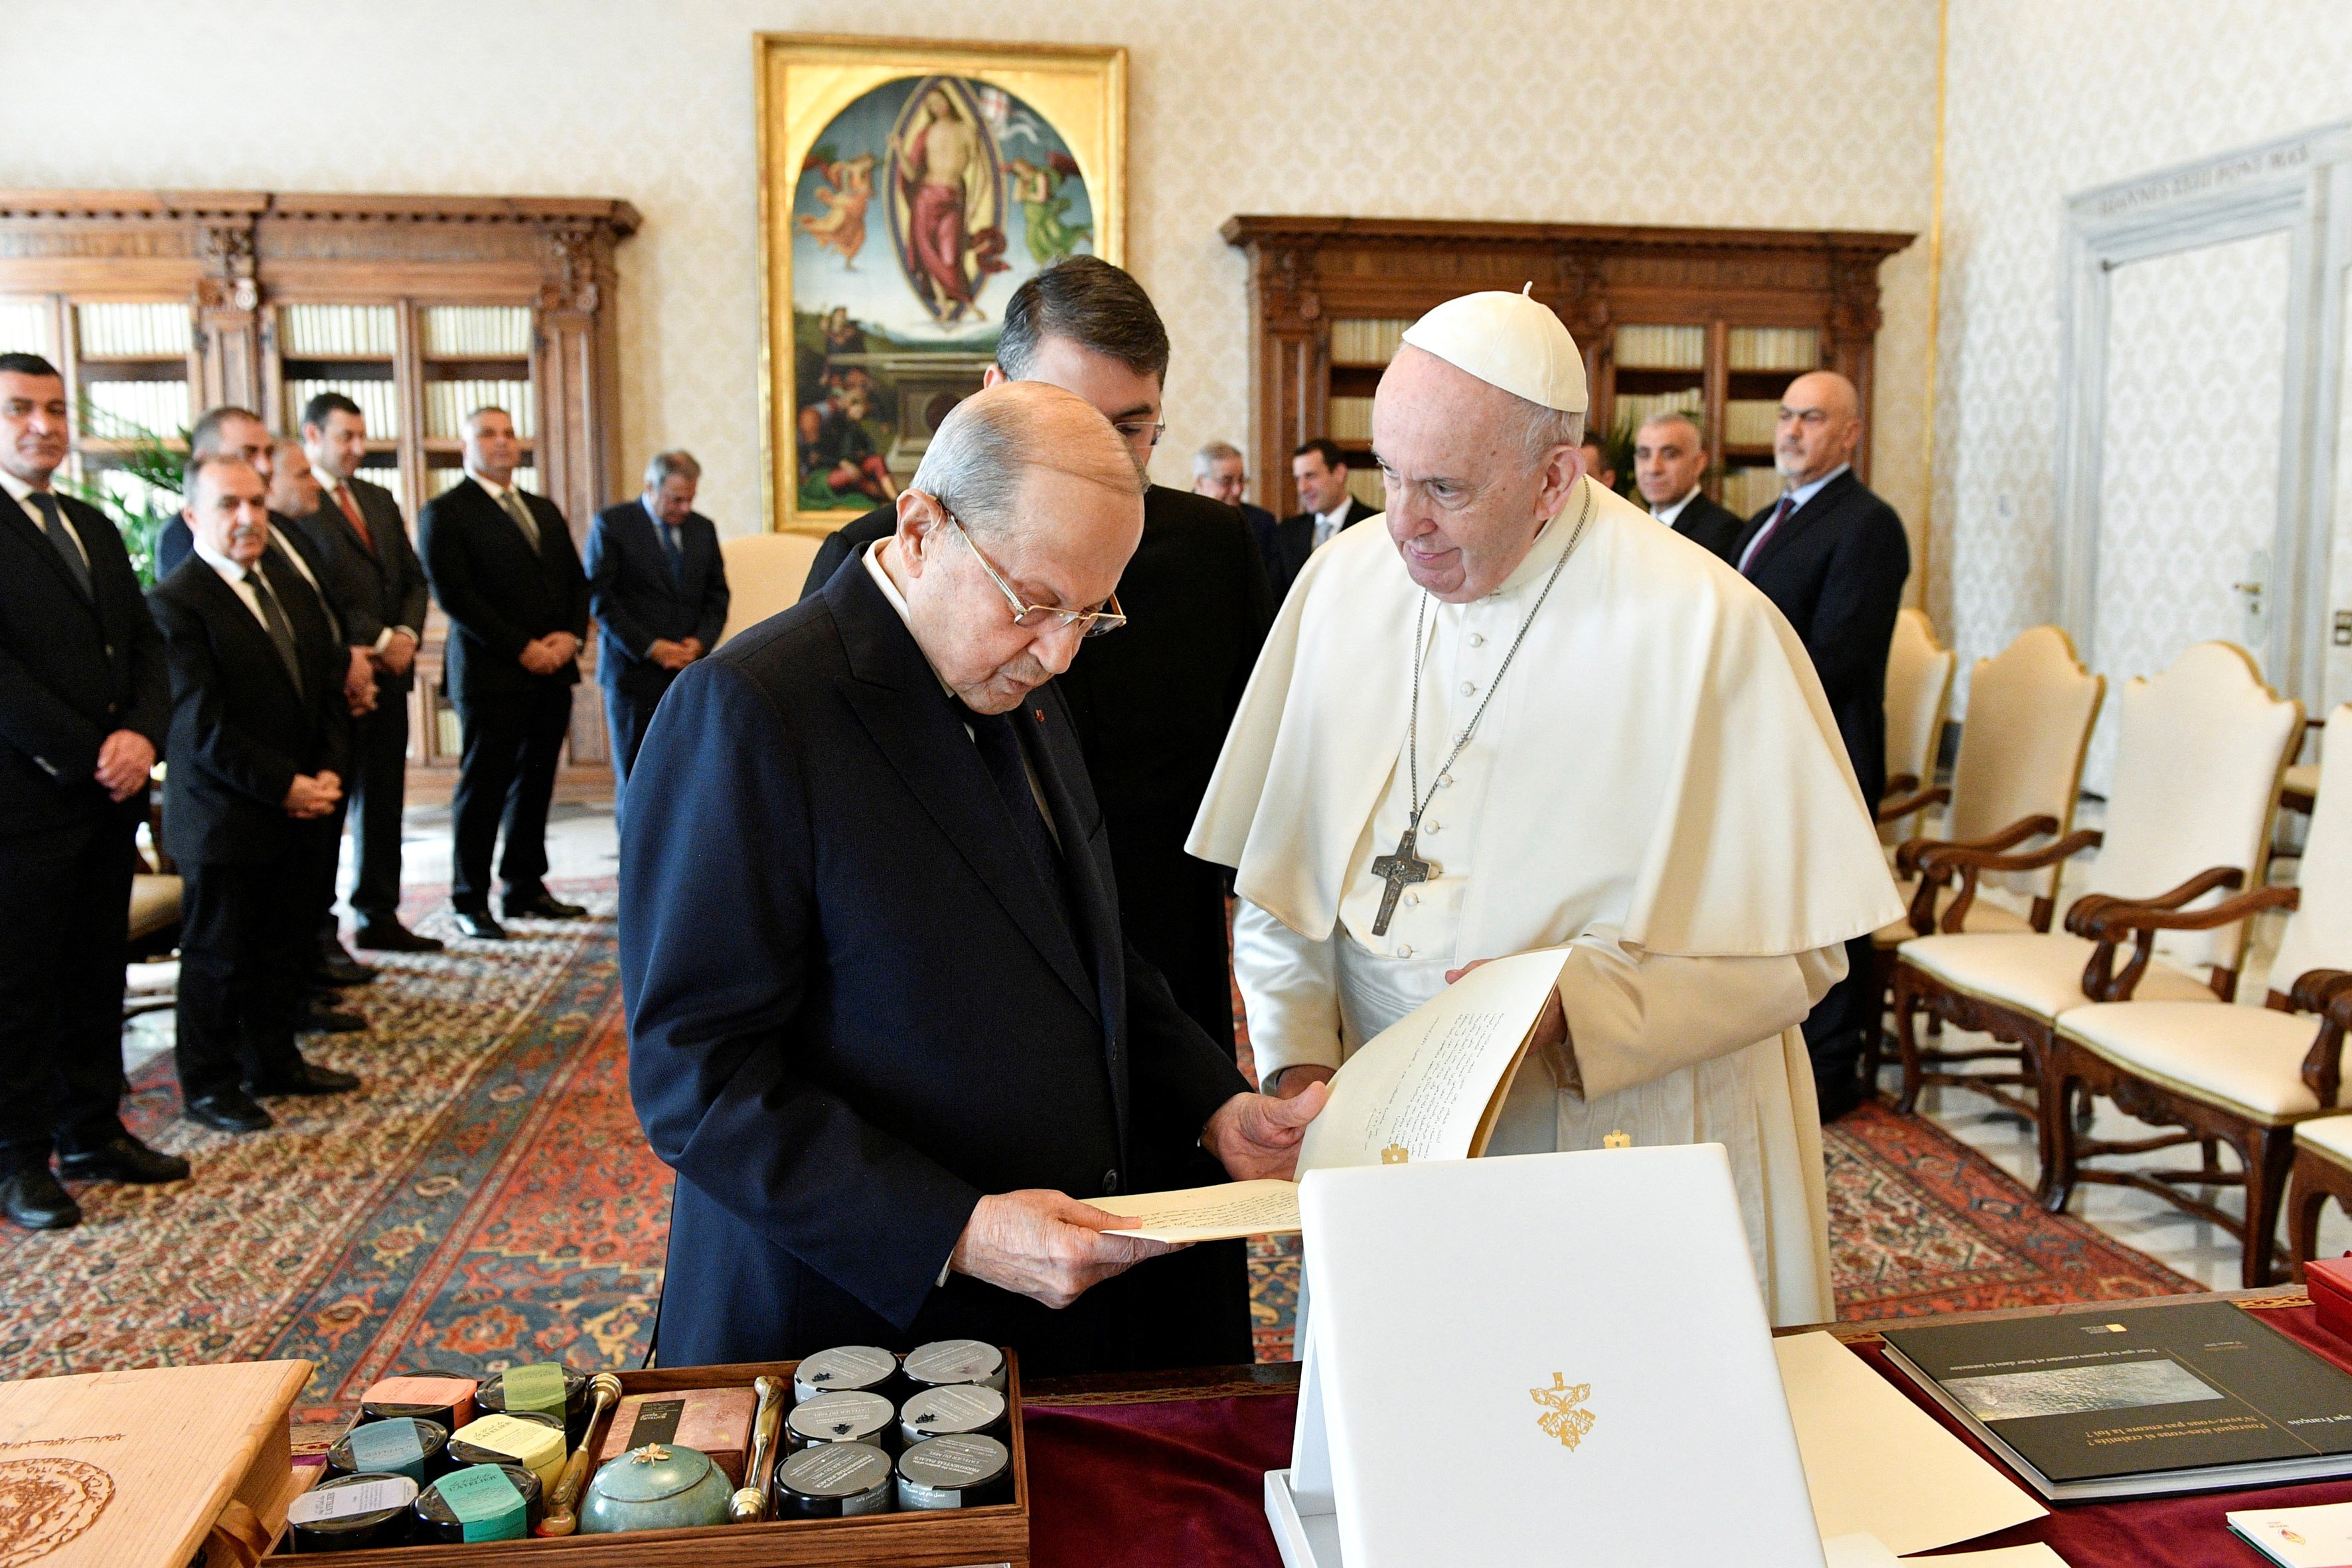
point(1524, 715)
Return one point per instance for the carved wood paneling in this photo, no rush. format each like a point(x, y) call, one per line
point(1306, 270)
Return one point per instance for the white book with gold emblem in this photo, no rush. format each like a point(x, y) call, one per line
point(1553, 1359)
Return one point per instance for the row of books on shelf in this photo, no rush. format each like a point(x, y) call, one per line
point(1350, 421)
point(1633, 408)
point(1749, 421)
point(1792, 349)
point(1644, 346)
point(339, 329)
point(1367, 340)
point(448, 403)
point(478, 332)
point(1750, 491)
point(25, 327)
point(121, 410)
point(379, 403)
point(134, 331)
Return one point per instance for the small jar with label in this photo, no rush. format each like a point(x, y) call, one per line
point(404, 1445)
point(845, 1417)
point(959, 1470)
point(944, 1362)
point(351, 1513)
point(833, 1480)
point(444, 1397)
point(858, 1369)
point(958, 1407)
point(533, 1441)
point(545, 1387)
point(470, 1505)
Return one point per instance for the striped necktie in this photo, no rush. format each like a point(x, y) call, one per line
point(514, 508)
point(1780, 515)
point(281, 630)
point(61, 538)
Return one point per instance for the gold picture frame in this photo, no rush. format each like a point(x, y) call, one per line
point(907, 186)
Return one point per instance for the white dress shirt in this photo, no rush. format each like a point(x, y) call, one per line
point(1673, 510)
point(1328, 523)
point(235, 576)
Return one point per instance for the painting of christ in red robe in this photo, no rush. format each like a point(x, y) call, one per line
point(947, 187)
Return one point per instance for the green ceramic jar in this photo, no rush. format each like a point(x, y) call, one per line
point(657, 1487)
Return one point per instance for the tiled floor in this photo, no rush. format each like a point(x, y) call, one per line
point(582, 842)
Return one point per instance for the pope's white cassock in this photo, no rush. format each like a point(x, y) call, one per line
point(1658, 786)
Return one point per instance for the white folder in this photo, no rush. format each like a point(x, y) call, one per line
point(1547, 1359)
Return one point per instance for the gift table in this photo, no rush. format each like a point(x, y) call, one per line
point(1166, 1469)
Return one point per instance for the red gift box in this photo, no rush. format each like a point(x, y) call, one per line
point(2329, 1281)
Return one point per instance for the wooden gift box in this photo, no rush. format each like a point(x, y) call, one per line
point(149, 1468)
point(996, 1536)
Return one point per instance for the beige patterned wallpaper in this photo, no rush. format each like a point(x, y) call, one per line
point(1674, 111)
point(2048, 98)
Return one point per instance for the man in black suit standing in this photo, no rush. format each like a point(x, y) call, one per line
point(259, 722)
point(1669, 461)
point(1222, 473)
point(1833, 557)
point(84, 704)
point(1319, 471)
point(658, 590)
point(883, 1020)
point(378, 583)
point(501, 563)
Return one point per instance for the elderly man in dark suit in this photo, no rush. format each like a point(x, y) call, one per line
point(1833, 557)
point(501, 563)
point(1320, 472)
point(884, 1021)
point(378, 583)
point(1669, 461)
point(1220, 472)
point(658, 590)
point(84, 701)
point(1152, 704)
point(259, 722)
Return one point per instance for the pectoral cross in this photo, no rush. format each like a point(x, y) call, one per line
point(1399, 871)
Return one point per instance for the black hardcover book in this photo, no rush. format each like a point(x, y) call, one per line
point(2140, 1402)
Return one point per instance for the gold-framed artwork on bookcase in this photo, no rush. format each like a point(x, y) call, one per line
point(420, 309)
point(1711, 323)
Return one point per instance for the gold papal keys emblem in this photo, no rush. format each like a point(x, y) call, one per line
point(1564, 1415)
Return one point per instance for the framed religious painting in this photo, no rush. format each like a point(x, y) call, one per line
point(907, 188)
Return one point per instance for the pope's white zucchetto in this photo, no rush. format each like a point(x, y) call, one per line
point(1510, 341)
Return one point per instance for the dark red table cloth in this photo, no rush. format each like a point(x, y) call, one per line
point(1171, 1483)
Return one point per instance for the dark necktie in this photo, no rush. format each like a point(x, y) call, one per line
point(281, 632)
point(61, 538)
point(515, 506)
point(670, 548)
point(1756, 546)
point(997, 737)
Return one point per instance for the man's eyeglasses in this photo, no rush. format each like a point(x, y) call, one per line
point(1141, 432)
point(1090, 623)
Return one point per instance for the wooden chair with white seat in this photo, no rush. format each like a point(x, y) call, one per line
point(1918, 700)
point(2188, 818)
point(2323, 1165)
point(765, 574)
point(2245, 1076)
point(2031, 710)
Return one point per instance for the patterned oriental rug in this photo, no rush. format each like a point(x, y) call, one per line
point(488, 1199)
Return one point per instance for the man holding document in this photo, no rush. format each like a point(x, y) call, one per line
point(1521, 716)
point(884, 1021)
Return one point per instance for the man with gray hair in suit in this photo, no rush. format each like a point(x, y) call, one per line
point(658, 590)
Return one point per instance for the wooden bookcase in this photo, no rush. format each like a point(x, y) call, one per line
point(1715, 320)
point(421, 307)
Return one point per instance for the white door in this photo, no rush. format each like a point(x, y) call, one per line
point(2188, 469)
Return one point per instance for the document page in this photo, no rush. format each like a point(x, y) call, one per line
point(1419, 1089)
point(1209, 1214)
